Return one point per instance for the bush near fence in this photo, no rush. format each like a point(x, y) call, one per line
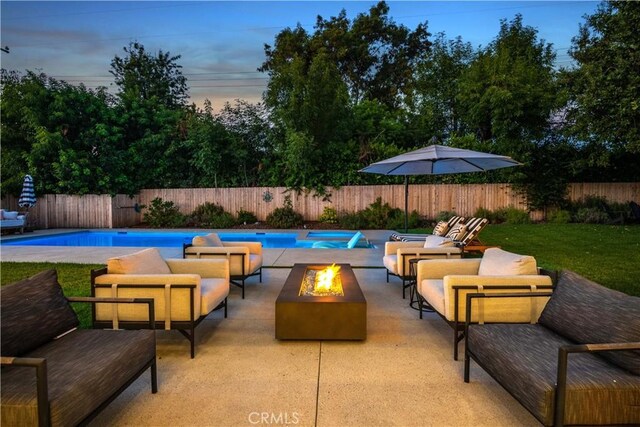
point(104, 211)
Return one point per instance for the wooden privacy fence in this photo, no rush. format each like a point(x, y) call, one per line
point(88, 211)
point(104, 211)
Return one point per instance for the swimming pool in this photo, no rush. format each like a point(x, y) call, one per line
point(165, 239)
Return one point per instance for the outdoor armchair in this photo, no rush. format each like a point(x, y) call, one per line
point(184, 291)
point(397, 255)
point(245, 258)
point(443, 285)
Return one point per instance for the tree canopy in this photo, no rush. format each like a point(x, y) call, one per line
point(351, 92)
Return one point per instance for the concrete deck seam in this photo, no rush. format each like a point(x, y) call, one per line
point(318, 386)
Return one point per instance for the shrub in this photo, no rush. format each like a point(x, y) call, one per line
point(516, 216)
point(213, 216)
point(396, 221)
point(284, 217)
point(352, 220)
point(329, 215)
point(163, 214)
point(377, 215)
point(591, 216)
point(246, 217)
point(560, 216)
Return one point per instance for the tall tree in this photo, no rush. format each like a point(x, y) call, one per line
point(142, 76)
point(605, 85)
point(508, 92)
point(436, 105)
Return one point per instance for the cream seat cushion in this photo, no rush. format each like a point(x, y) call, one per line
point(211, 239)
point(214, 291)
point(147, 261)
point(498, 262)
point(391, 263)
point(255, 262)
point(432, 290)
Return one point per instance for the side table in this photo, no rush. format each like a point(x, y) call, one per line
point(414, 296)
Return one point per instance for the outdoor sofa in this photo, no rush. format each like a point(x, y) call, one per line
point(578, 364)
point(12, 220)
point(52, 372)
point(185, 291)
point(245, 258)
point(442, 285)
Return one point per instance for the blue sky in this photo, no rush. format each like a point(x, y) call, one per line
point(221, 43)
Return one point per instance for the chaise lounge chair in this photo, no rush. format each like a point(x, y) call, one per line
point(443, 227)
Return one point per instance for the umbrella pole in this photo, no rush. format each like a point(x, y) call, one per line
point(406, 203)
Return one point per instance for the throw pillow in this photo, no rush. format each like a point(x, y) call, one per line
point(586, 312)
point(33, 312)
point(210, 239)
point(148, 261)
point(441, 229)
point(457, 232)
point(437, 241)
point(496, 262)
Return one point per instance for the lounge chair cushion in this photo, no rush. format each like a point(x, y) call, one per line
point(148, 261)
point(497, 262)
point(457, 232)
point(432, 290)
point(441, 228)
point(33, 311)
point(577, 311)
point(436, 241)
point(211, 239)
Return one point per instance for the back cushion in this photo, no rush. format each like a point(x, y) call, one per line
point(496, 262)
point(33, 311)
point(148, 261)
point(588, 313)
point(210, 239)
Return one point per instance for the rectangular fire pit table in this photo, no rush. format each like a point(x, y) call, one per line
point(306, 317)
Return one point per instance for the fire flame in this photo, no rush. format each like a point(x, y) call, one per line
point(325, 278)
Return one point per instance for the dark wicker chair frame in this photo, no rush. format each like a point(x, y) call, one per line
point(40, 364)
point(234, 277)
point(185, 327)
point(563, 353)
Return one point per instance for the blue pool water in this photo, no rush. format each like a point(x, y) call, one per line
point(165, 239)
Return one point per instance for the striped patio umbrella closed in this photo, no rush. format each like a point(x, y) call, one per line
point(28, 196)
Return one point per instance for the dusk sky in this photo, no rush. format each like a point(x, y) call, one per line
point(222, 43)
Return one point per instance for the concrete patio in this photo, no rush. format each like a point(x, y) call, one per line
point(403, 374)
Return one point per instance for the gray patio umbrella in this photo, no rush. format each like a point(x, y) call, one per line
point(28, 196)
point(437, 160)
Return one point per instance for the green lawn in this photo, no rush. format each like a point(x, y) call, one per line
point(607, 254)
